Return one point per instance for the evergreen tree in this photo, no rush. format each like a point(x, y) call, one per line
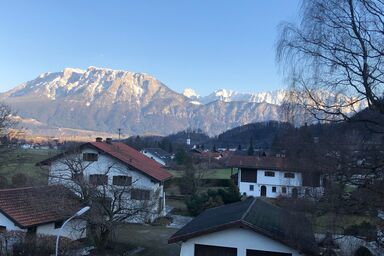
point(251, 151)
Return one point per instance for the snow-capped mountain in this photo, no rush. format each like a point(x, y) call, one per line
point(273, 97)
point(100, 99)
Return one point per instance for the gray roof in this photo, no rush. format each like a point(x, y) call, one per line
point(291, 229)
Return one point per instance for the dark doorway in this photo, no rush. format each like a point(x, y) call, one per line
point(266, 253)
point(263, 191)
point(295, 193)
point(208, 250)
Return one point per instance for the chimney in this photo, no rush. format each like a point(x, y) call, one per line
point(99, 139)
point(108, 140)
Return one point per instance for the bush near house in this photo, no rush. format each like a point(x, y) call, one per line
point(197, 203)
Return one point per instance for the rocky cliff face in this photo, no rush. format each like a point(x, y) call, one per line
point(101, 99)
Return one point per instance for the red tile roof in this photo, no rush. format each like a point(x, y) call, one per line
point(133, 158)
point(32, 206)
point(269, 163)
point(256, 162)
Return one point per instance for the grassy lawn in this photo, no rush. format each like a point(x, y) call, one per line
point(153, 239)
point(23, 161)
point(337, 223)
point(179, 207)
point(210, 173)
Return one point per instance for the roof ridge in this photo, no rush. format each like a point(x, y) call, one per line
point(223, 205)
point(249, 208)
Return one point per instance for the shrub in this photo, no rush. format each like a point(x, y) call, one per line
point(363, 251)
point(197, 203)
point(19, 180)
point(230, 194)
point(3, 182)
point(364, 229)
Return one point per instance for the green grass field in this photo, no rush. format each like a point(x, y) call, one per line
point(153, 240)
point(210, 173)
point(23, 161)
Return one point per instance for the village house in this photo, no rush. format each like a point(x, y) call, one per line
point(114, 165)
point(159, 155)
point(252, 227)
point(41, 211)
point(275, 176)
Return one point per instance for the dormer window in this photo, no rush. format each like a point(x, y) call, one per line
point(90, 157)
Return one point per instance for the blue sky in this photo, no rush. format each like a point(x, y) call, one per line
point(204, 45)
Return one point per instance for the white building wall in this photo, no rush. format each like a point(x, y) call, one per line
point(75, 229)
point(242, 239)
point(59, 174)
point(104, 165)
point(278, 181)
point(8, 224)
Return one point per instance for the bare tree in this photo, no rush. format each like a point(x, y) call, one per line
point(111, 203)
point(334, 57)
point(6, 125)
point(6, 120)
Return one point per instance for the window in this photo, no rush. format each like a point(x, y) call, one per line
point(3, 229)
point(204, 250)
point(284, 190)
point(290, 175)
point(122, 180)
point(98, 179)
point(248, 175)
point(269, 174)
point(251, 187)
point(266, 253)
point(90, 157)
point(140, 194)
point(58, 224)
point(274, 189)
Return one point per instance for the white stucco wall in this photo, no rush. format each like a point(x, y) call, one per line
point(8, 224)
point(74, 230)
point(278, 181)
point(59, 174)
point(242, 239)
point(104, 165)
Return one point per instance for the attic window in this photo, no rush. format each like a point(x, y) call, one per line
point(90, 157)
point(122, 180)
point(98, 179)
point(269, 174)
point(3, 229)
point(289, 175)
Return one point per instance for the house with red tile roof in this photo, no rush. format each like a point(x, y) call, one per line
point(113, 165)
point(41, 210)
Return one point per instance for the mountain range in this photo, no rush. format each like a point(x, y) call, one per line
point(75, 101)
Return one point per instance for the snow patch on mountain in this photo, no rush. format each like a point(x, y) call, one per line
point(272, 97)
point(190, 93)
